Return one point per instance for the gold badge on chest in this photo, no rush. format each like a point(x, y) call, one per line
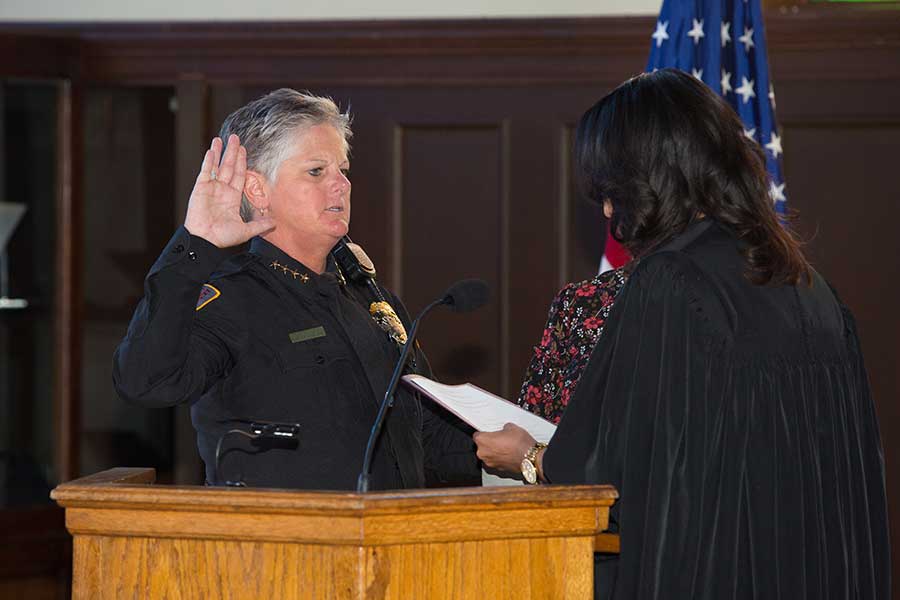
point(387, 319)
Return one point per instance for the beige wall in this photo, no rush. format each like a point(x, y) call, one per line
point(262, 10)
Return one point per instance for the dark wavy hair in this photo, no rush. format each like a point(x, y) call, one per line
point(665, 150)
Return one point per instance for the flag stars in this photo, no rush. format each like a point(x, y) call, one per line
point(696, 31)
point(774, 145)
point(726, 82)
point(746, 90)
point(661, 34)
point(726, 35)
point(747, 39)
point(738, 82)
point(776, 192)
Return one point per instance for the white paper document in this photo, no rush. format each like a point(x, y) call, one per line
point(485, 412)
point(481, 409)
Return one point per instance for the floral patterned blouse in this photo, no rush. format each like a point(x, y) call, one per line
point(574, 325)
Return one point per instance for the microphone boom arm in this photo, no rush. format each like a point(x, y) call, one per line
point(462, 296)
point(362, 484)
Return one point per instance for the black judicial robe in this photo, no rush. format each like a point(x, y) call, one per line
point(270, 340)
point(736, 422)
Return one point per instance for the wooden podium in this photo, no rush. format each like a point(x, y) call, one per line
point(137, 540)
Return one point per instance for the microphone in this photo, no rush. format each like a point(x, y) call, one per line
point(466, 295)
point(276, 433)
point(463, 296)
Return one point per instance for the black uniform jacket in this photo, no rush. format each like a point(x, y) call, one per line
point(737, 424)
point(270, 340)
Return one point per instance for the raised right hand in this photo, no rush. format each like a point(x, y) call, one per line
point(213, 211)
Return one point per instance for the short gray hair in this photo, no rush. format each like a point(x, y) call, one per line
point(268, 125)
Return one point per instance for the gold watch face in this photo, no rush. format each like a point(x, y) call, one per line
point(529, 472)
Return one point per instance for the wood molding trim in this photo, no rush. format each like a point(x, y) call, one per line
point(127, 487)
point(108, 502)
point(68, 300)
point(445, 52)
point(26, 54)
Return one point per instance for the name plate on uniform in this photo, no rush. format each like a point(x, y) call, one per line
point(307, 334)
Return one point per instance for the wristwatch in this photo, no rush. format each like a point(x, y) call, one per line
point(529, 463)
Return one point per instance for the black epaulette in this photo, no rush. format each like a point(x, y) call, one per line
point(213, 289)
point(234, 265)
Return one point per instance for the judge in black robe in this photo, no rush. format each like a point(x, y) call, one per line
point(733, 417)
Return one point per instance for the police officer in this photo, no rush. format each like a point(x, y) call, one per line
point(277, 334)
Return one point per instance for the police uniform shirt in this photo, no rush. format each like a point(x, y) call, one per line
point(268, 340)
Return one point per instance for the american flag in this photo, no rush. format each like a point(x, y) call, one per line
point(722, 43)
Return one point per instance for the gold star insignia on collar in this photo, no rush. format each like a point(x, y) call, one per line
point(289, 271)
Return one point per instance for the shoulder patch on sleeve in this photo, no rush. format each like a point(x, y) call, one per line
point(208, 293)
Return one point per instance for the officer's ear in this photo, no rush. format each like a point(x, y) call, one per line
point(256, 189)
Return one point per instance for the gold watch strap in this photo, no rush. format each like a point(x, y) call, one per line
point(531, 455)
point(533, 451)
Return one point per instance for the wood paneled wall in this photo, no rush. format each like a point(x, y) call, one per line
point(460, 181)
point(462, 151)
